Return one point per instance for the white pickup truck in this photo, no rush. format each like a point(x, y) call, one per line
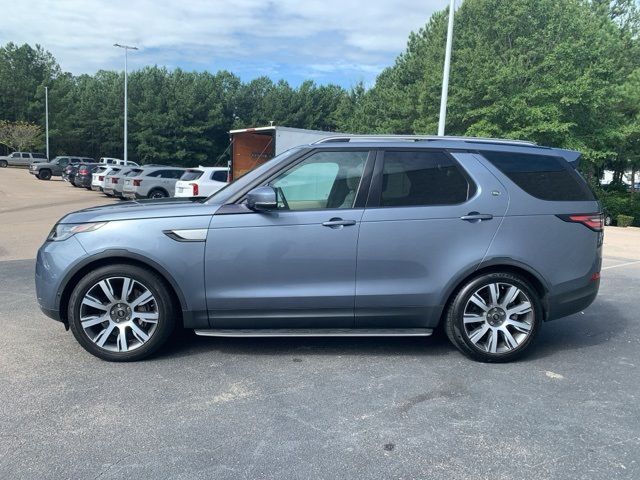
point(22, 159)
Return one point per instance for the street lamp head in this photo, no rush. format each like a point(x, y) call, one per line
point(126, 47)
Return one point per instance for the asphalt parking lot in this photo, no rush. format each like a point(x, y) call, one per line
point(316, 408)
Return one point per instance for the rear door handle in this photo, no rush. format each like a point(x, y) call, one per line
point(476, 217)
point(338, 222)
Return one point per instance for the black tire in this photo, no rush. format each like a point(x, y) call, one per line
point(166, 311)
point(44, 174)
point(3, 164)
point(454, 318)
point(157, 193)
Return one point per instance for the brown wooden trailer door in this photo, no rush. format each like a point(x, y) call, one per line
point(250, 149)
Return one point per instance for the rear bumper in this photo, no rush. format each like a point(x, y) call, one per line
point(572, 301)
point(96, 188)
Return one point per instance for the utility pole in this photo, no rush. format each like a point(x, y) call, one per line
point(126, 50)
point(445, 75)
point(46, 117)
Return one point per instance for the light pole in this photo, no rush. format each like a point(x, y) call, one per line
point(126, 50)
point(445, 75)
point(46, 117)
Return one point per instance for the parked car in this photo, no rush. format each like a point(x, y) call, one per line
point(490, 238)
point(69, 172)
point(201, 181)
point(55, 168)
point(99, 176)
point(117, 161)
point(111, 180)
point(117, 181)
point(152, 182)
point(21, 159)
point(84, 174)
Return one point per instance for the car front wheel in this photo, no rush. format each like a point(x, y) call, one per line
point(494, 317)
point(121, 313)
point(44, 174)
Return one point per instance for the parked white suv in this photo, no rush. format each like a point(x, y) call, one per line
point(97, 177)
point(201, 181)
point(152, 182)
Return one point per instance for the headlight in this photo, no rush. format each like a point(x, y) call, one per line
point(62, 231)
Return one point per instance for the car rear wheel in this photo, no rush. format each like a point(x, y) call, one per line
point(44, 174)
point(121, 313)
point(3, 164)
point(157, 193)
point(494, 317)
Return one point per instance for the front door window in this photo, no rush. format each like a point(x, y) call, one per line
point(325, 180)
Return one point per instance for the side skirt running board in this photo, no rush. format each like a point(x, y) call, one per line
point(316, 332)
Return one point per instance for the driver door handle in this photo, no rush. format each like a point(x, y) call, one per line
point(475, 216)
point(338, 222)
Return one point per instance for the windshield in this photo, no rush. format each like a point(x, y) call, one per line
point(232, 188)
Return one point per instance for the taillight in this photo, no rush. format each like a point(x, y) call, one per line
point(136, 183)
point(114, 180)
point(100, 178)
point(83, 171)
point(195, 189)
point(594, 221)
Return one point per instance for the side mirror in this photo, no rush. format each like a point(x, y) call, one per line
point(262, 199)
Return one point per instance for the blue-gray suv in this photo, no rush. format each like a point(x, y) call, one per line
point(351, 236)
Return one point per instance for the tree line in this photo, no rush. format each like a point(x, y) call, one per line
point(564, 74)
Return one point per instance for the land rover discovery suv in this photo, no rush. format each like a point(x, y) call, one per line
point(351, 236)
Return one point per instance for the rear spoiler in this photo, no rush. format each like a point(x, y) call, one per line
point(571, 156)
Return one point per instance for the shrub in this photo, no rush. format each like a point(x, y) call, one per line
point(624, 220)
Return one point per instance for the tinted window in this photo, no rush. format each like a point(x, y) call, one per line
point(25, 155)
point(134, 173)
point(413, 178)
point(15, 155)
point(542, 176)
point(219, 176)
point(39, 155)
point(324, 180)
point(191, 175)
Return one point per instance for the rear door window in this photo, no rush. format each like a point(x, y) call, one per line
point(543, 176)
point(191, 175)
point(219, 176)
point(422, 178)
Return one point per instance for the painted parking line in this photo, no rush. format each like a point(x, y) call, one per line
point(621, 265)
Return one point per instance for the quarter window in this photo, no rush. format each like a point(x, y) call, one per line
point(323, 180)
point(219, 176)
point(422, 178)
point(544, 176)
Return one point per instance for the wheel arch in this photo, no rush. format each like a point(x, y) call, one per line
point(112, 257)
point(505, 265)
point(162, 189)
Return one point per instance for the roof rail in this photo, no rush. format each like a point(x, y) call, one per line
point(419, 138)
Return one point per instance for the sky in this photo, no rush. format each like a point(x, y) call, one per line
point(328, 41)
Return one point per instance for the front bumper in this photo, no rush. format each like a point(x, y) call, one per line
point(53, 261)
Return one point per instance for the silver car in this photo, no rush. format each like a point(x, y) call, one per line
point(349, 237)
point(152, 182)
point(21, 159)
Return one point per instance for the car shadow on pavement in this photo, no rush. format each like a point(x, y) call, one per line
point(599, 324)
point(185, 343)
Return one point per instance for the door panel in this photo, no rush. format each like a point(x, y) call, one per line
point(293, 267)
point(409, 255)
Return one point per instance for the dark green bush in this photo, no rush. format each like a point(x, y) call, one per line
point(624, 220)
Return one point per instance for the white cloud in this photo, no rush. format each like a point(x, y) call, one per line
point(313, 35)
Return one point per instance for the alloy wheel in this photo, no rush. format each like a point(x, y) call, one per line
point(498, 318)
point(119, 314)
